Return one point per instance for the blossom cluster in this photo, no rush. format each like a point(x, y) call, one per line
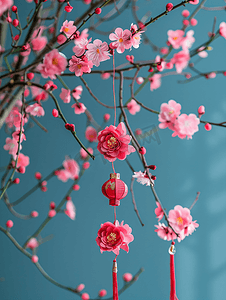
point(180, 220)
point(183, 125)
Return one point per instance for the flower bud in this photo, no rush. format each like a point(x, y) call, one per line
point(169, 6)
point(208, 126)
point(9, 224)
point(98, 10)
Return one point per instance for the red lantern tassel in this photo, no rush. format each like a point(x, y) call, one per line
point(172, 273)
point(115, 282)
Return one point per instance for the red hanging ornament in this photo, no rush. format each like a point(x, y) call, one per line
point(115, 282)
point(172, 251)
point(114, 189)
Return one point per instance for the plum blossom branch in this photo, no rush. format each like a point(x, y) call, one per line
point(134, 202)
point(25, 252)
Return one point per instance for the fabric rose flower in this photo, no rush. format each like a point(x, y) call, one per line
point(114, 143)
point(112, 237)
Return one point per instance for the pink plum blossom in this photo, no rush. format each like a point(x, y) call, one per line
point(186, 126)
point(32, 243)
point(181, 221)
point(65, 95)
point(35, 110)
point(16, 135)
point(91, 134)
point(76, 93)
point(97, 52)
point(202, 53)
point(71, 167)
point(188, 40)
point(38, 94)
point(68, 28)
point(84, 154)
point(175, 38)
point(70, 210)
point(4, 5)
point(79, 36)
point(23, 161)
point(79, 108)
point(143, 178)
point(168, 114)
point(54, 64)
point(133, 107)
point(159, 212)
point(81, 46)
point(11, 146)
point(80, 66)
point(165, 233)
point(122, 38)
point(38, 42)
point(113, 237)
point(155, 81)
point(136, 38)
point(179, 218)
point(62, 175)
point(181, 60)
point(222, 29)
point(113, 142)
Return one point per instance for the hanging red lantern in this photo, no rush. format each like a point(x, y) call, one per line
point(114, 189)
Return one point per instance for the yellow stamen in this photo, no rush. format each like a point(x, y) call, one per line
point(179, 221)
point(175, 38)
point(120, 40)
point(66, 29)
point(79, 66)
point(112, 142)
point(98, 51)
point(111, 238)
point(171, 112)
point(55, 61)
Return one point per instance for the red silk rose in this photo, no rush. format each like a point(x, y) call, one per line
point(114, 142)
point(112, 237)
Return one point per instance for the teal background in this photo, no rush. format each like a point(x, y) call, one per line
point(184, 167)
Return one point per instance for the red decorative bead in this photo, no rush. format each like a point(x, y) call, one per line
point(114, 189)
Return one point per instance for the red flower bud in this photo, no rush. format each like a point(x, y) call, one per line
point(169, 6)
point(15, 22)
point(98, 10)
point(70, 127)
point(14, 8)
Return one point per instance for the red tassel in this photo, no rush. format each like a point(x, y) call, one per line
point(172, 273)
point(115, 282)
